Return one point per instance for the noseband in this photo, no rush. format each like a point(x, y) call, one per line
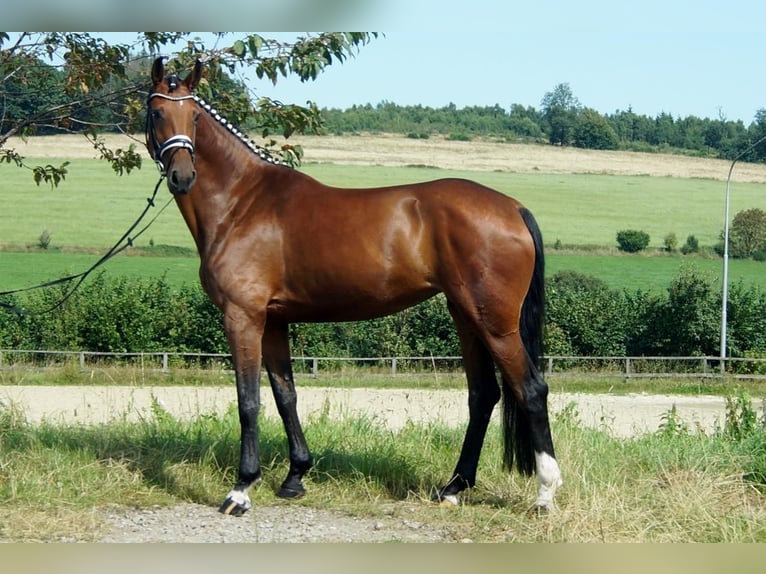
point(175, 142)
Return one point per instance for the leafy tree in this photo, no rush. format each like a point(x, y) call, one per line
point(72, 81)
point(560, 109)
point(756, 131)
point(747, 233)
point(593, 131)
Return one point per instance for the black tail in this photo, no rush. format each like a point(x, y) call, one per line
point(533, 311)
point(516, 428)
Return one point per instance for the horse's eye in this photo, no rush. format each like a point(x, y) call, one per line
point(196, 117)
point(156, 114)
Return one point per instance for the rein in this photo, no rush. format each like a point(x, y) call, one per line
point(118, 247)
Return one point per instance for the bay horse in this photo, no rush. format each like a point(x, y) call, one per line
point(276, 246)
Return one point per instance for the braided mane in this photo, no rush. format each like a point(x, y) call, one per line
point(254, 147)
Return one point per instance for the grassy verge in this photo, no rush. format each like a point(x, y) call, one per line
point(671, 486)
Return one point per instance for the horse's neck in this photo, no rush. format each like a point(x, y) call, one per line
point(223, 166)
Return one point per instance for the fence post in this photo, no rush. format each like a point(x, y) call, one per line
point(314, 367)
point(164, 362)
point(550, 367)
point(627, 367)
point(82, 360)
point(393, 365)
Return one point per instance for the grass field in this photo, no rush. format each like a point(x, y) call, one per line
point(93, 207)
point(630, 272)
point(601, 194)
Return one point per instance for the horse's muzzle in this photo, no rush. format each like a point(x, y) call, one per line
point(181, 179)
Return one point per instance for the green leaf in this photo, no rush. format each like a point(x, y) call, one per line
point(255, 42)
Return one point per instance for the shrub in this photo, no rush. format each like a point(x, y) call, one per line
point(671, 242)
point(692, 245)
point(583, 316)
point(44, 239)
point(632, 241)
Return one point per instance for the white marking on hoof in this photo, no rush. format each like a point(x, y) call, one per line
point(237, 499)
point(450, 500)
point(549, 477)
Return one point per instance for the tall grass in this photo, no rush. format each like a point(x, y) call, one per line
point(675, 485)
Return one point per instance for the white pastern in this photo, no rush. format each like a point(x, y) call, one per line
point(241, 498)
point(450, 500)
point(549, 476)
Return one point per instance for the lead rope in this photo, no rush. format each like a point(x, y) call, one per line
point(118, 247)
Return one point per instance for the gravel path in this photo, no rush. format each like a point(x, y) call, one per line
point(283, 523)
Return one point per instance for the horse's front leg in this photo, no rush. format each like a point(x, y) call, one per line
point(276, 354)
point(245, 332)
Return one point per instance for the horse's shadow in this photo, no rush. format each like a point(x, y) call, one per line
point(170, 455)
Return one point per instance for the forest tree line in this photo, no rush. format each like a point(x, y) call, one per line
point(572, 125)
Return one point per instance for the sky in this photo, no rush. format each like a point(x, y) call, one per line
point(702, 58)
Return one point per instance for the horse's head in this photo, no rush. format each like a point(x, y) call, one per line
point(171, 118)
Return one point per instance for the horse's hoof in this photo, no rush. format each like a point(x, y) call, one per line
point(446, 499)
point(236, 504)
point(541, 509)
point(291, 492)
point(449, 500)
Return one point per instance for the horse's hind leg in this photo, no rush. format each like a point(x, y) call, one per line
point(483, 395)
point(526, 426)
point(276, 355)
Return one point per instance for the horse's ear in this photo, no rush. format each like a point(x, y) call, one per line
point(158, 70)
point(194, 77)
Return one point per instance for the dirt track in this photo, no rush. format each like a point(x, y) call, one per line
point(621, 415)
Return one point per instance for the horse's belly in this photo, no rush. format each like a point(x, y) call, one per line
point(335, 305)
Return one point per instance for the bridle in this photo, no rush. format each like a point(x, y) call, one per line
point(176, 142)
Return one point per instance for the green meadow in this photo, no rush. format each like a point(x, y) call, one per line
point(21, 269)
point(582, 213)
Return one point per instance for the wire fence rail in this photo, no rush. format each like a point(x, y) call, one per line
point(554, 366)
